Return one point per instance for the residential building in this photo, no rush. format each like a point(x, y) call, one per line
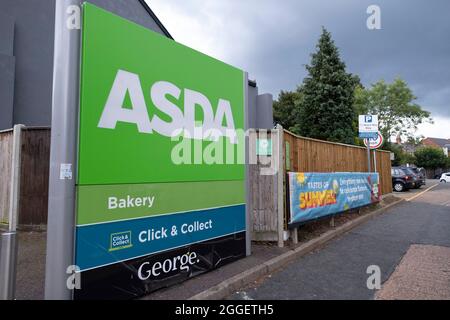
point(444, 144)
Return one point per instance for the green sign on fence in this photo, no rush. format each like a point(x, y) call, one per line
point(263, 147)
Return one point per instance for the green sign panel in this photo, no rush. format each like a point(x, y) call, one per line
point(263, 147)
point(161, 159)
point(138, 88)
point(288, 156)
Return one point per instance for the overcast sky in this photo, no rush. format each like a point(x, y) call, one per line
point(273, 40)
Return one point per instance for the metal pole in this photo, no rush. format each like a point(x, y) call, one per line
point(280, 185)
point(8, 244)
point(375, 160)
point(8, 257)
point(368, 156)
point(61, 201)
point(248, 217)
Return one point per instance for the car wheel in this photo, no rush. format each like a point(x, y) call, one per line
point(399, 187)
point(443, 181)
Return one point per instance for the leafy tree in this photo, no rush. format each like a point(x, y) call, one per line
point(394, 104)
point(431, 158)
point(326, 109)
point(408, 158)
point(285, 109)
point(398, 153)
point(400, 156)
point(415, 141)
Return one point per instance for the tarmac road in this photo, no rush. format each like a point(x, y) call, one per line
point(338, 270)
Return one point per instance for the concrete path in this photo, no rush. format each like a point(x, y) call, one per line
point(339, 270)
point(31, 266)
point(423, 273)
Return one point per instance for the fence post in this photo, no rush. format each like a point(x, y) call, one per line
point(294, 235)
point(280, 186)
point(9, 241)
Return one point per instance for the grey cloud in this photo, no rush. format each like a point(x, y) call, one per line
point(280, 36)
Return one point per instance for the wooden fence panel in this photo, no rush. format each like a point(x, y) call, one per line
point(6, 145)
point(312, 155)
point(263, 196)
point(34, 175)
point(35, 164)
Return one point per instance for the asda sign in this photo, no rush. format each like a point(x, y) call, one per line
point(212, 124)
point(144, 219)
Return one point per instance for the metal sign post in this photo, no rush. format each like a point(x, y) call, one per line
point(61, 201)
point(8, 240)
point(368, 129)
point(248, 214)
point(374, 144)
point(375, 160)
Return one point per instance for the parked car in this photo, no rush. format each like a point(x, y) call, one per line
point(423, 173)
point(418, 176)
point(401, 181)
point(445, 177)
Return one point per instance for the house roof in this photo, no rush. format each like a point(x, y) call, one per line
point(438, 141)
point(155, 18)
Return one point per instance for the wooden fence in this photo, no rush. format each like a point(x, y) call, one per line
point(266, 190)
point(312, 155)
point(6, 146)
point(264, 187)
point(35, 159)
point(268, 200)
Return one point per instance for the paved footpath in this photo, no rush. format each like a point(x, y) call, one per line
point(412, 239)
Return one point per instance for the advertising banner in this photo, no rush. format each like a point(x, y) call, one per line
point(161, 174)
point(315, 195)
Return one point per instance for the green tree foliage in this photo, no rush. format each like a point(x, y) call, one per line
point(415, 141)
point(326, 109)
point(285, 109)
point(398, 153)
point(431, 158)
point(394, 104)
point(408, 158)
point(400, 156)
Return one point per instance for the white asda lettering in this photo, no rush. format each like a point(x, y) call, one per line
point(182, 262)
point(212, 127)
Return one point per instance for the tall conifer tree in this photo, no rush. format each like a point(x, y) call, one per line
point(326, 110)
